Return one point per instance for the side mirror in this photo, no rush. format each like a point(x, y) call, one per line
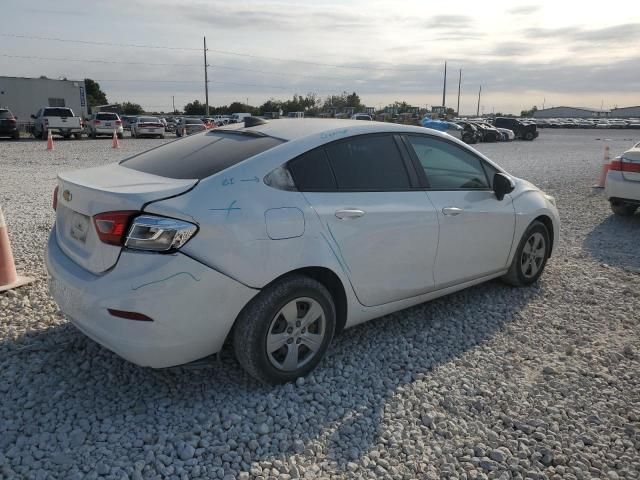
point(502, 185)
point(33, 116)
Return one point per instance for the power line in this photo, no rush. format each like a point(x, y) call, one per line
point(224, 52)
point(120, 62)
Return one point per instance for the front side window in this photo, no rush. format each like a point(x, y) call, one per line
point(447, 166)
point(368, 163)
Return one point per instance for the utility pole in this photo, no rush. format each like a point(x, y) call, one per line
point(206, 80)
point(544, 100)
point(478, 110)
point(459, 82)
point(444, 86)
point(173, 100)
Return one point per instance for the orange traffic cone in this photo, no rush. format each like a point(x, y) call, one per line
point(8, 277)
point(605, 169)
point(49, 141)
point(115, 143)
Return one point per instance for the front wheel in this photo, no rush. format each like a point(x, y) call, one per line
point(531, 256)
point(77, 136)
point(284, 332)
point(528, 136)
point(623, 209)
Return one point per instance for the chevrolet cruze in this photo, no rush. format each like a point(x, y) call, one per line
point(276, 235)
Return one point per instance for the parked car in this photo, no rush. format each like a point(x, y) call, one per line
point(507, 135)
point(622, 184)
point(470, 133)
point(281, 234)
point(488, 133)
point(59, 121)
point(127, 120)
point(361, 116)
point(8, 124)
point(238, 117)
point(104, 123)
point(147, 127)
point(190, 125)
point(520, 129)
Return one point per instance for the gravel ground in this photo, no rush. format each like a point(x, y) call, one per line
point(491, 382)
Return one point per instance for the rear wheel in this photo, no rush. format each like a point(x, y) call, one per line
point(284, 332)
point(528, 136)
point(16, 136)
point(78, 136)
point(531, 257)
point(44, 134)
point(623, 209)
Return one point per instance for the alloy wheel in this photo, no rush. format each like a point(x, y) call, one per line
point(533, 255)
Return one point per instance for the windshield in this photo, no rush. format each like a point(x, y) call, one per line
point(148, 120)
point(200, 156)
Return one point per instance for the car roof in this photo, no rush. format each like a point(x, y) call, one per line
point(296, 128)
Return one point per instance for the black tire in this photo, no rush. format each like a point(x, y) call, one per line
point(161, 137)
point(255, 321)
point(519, 276)
point(16, 136)
point(467, 139)
point(77, 136)
point(529, 136)
point(44, 134)
point(120, 135)
point(623, 209)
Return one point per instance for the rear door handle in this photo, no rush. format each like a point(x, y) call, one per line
point(452, 211)
point(349, 213)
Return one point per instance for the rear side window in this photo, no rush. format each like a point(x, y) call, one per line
point(368, 163)
point(106, 116)
point(57, 112)
point(200, 156)
point(311, 172)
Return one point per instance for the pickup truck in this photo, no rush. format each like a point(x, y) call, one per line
point(57, 119)
point(524, 131)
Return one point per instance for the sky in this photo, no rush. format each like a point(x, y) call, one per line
point(150, 52)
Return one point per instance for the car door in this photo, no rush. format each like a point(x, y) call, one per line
point(476, 229)
point(378, 222)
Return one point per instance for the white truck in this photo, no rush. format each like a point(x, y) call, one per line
point(59, 120)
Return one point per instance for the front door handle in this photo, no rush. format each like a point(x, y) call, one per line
point(452, 211)
point(349, 213)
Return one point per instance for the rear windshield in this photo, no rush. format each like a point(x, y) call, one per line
point(5, 114)
point(148, 120)
point(106, 116)
point(200, 156)
point(193, 121)
point(57, 112)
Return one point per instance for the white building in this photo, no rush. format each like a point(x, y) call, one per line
point(25, 96)
point(626, 112)
point(570, 112)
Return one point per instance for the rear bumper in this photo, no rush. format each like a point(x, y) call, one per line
point(192, 306)
point(107, 130)
point(143, 132)
point(617, 187)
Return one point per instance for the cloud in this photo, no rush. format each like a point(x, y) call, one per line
point(628, 32)
point(524, 10)
point(446, 22)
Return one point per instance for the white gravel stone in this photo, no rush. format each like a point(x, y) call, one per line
point(490, 382)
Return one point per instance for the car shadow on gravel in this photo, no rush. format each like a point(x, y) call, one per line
point(616, 242)
point(336, 412)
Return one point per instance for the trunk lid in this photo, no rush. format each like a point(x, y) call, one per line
point(85, 193)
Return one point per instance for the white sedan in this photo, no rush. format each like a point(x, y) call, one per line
point(622, 185)
point(278, 235)
point(147, 127)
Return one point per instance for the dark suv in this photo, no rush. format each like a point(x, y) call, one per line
point(525, 131)
point(8, 124)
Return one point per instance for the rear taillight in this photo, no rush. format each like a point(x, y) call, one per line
point(46, 121)
point(12, 121)
point(97, 122)
point(159, 234)
point(111, 226)
point(620, 165)
point(118, 122)
point(55, 198)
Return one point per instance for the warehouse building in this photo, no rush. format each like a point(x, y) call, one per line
point(570, 112)
point(626, 112)
point(25, 96)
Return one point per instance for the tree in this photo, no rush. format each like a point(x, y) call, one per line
point(342, 101)
point(130, 108)
point(195, 108)
point(95, 95)
point(529, 113)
